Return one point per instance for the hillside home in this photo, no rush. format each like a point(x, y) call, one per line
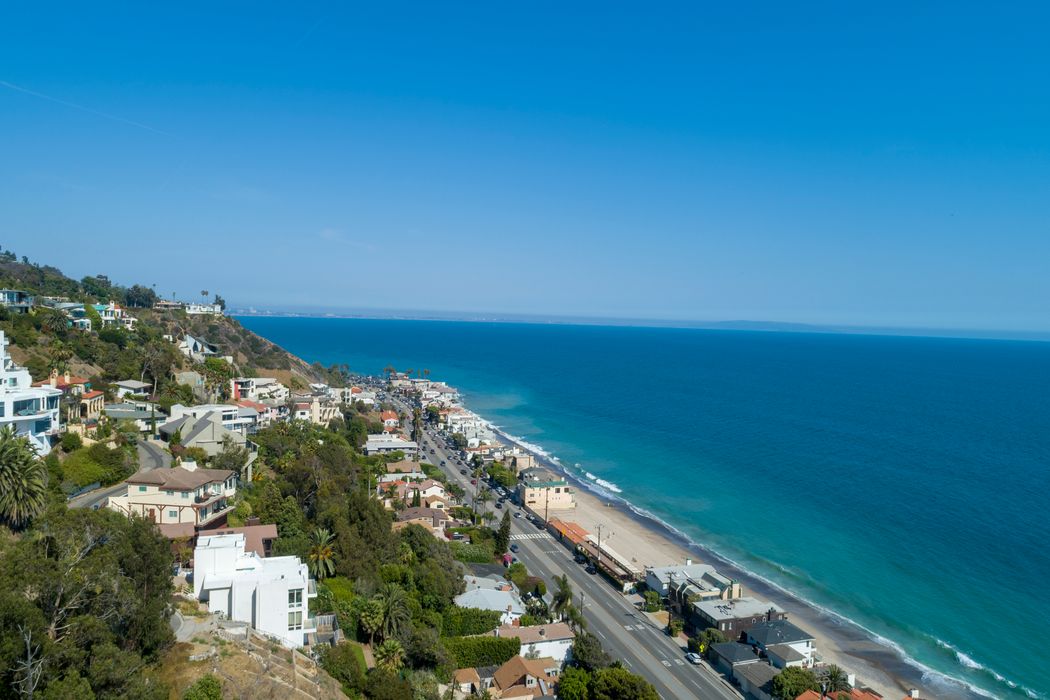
point(390, 420)
point(432, 520)
point(733, 617)
point(16, 300)
point(197, 349)
point(402, 471)
point(206, 432)
point(526, 678)
point(113, 315)
point(234, 418)
point(82, 402)
point(194, 309)
point(270, 594)
point(506, 603)
point(553, 640)
point(144, 420)
point(132, 387)
point(258, 389)
point(33, 411)
point(386, 444)
point(180, 494)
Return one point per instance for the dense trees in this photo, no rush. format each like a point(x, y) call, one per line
point(792, 682)
point(84, 600)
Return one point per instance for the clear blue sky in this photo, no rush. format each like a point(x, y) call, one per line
point(829, 163)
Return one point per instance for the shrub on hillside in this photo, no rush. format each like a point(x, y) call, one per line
point(458, 622)
point(473, 553)
point(481, 651)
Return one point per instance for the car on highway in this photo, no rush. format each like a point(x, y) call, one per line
point(514, 547)
point(463, 471)
point(473, 482)
point(591, 570)
point(694, 658)
point(499, 504)
point(442, 462)
point(517, 514)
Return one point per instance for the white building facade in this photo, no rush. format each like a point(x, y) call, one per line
point(33, 411)
point(271, 594)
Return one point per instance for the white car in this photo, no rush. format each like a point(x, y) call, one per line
point(694, 658)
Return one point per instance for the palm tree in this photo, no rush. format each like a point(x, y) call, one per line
point(835, 679)
point(23, 478)
point(389, 655)
point(394, 605)
point(322, 554)
point(562, 599)
point(575, 617)
point(370, 620)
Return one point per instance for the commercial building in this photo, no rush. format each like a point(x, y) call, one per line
point(542, 491)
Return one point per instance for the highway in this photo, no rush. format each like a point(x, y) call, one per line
point(625, 632)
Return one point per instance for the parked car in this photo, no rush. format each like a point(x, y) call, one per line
point(514, 547)
point(499, 504)
point(463, 471)
point(442, 462)
point(473, 482)
point(591, 570)
point(517, 514)
point(694, 658)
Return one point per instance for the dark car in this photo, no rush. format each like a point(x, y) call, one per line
point(499, 504)
point(462, 471)
point(442, 462)
point(514, 547)
point(591, 570)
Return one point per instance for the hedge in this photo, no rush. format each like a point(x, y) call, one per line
point(472, 553)
point(458, 622)
point(481, 651)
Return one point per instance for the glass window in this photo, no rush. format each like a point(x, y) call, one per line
point(142, 489)
point(185, 494)
point(173, 514)
point(295, 620)
point(169, 492)
point(295, 597)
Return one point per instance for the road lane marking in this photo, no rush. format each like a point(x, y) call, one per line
point(665, 663)
point(532, 536)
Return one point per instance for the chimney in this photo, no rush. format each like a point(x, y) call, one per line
point(543, 632)
point(913, 693)
point(688, 562)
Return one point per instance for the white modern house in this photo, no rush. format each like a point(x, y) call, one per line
point(271, 594)
point(132, 386)
point(258, 389)
point(33, 411)
point(232, 417)
point(182, 494)
point(540, 641)
point(112, 314)
point(194, 309)
point(691, 581)
point(16, 300)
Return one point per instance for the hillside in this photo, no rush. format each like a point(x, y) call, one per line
point(41, 339)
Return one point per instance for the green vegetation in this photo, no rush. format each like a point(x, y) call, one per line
point(23, 479)
point(652, 601)
point(458, 622)
point(207, 687)
point(84, 606)
point(793, 681)
point(481, 651)
point(96, 463)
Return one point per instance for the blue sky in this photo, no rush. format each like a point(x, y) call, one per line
point(885, 164)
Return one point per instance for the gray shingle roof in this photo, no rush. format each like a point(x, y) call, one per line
point(777, 632)
point(735, 652)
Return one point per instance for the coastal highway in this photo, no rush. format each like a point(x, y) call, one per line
point(625, 633)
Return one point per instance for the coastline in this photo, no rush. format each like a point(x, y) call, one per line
point(648, 541)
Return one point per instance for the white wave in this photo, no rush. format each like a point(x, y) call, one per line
point(969, 662)
point(612, 492)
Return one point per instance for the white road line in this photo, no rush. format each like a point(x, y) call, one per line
point(679, 662)
point(665, 663)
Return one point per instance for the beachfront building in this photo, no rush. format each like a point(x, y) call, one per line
point(506, 603)
point(541, 491)
point(733, 617)
point(552, 640)
point(386, 443)
point(755, 680)
point(681, 585)
point(270, 594)
point(784, 643)
point(725, 657)
point(33, 411)
point(181, 494)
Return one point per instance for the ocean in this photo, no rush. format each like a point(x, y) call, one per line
point(898, 481)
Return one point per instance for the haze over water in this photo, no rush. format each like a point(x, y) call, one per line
point(898, 481)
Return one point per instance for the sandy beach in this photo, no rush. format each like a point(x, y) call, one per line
point(647, 542)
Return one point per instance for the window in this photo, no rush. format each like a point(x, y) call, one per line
point(295, 597)
point(142, 489)
point(185, 494)
point(173, 514)
point(295, 620)
point(169, 492)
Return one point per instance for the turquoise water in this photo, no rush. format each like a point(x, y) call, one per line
point(900, 482)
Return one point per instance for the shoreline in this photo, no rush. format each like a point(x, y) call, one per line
point(648, 541)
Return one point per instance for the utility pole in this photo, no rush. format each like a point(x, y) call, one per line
point(546, 504)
